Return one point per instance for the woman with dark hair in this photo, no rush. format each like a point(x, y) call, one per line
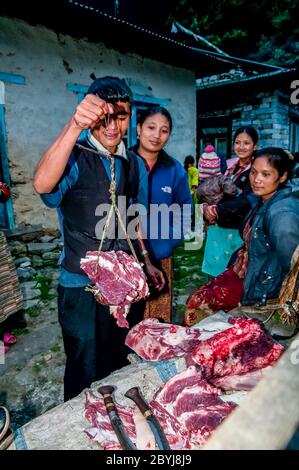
point(168, 190)
point(271, 235)
point(225, 217)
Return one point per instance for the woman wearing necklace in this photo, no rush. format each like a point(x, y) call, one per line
point(271, 236)
point(168, 186)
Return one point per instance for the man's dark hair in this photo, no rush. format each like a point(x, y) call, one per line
point(111, 89)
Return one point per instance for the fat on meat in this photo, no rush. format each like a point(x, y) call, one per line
point(187, 407)
point(155, 341)
point(191, 409)
point(242, 349)
point(118, 281)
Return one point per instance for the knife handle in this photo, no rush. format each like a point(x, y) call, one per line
point(134, 394)
point(106, 391)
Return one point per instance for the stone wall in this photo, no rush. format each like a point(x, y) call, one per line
point(270, 117)
point(270, 112)
point(36, 252)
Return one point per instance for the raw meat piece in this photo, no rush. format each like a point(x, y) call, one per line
point(191, 409)
point(243, 348)
point(118, 281)
point(155, 341)
point(241, 382)
point(187, 407)
point(101, 428)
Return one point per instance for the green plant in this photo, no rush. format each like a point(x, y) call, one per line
point(55, 348)
point(20, 331)
point(44, 283)
point(33, 311)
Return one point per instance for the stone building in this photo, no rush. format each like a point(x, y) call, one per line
point(263, 100)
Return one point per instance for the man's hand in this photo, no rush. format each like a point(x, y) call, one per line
point(90, 111)
point(156, 276)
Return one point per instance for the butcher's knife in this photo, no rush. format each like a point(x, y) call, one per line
point(116, 422)
point(161, 440)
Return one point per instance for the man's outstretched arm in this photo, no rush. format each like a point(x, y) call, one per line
point(52, 164)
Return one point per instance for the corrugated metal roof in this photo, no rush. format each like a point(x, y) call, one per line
point(220, 83)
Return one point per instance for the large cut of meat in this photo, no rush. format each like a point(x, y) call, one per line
point(190, 409)
point(118, 281)
point(101, 429)
point(187, 407)
point(243, 348)
point(155, 341)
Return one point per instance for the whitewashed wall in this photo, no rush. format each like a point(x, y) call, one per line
point(36, 111)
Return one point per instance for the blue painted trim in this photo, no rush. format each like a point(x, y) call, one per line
point(149, 100)
point(5, 166)
point(141, 102)
point(12, 78)
point(76, 88)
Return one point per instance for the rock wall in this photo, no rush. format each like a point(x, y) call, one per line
point(270, 117)
point(36, 252)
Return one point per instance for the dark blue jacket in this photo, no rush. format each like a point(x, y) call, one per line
point(167, 185)
point(273, 240)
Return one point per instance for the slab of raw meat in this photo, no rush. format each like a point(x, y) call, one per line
point(243, 348)
point(155, 341)
point(190, 409)
point(118, 281)
point(187, 407)
point(101, 429)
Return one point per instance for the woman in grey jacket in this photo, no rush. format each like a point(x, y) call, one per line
point(271, 235)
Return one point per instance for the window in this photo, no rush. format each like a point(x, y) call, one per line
point(216, 131)
point(140, 103)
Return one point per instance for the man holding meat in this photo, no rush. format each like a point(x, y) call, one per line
point(74, 176)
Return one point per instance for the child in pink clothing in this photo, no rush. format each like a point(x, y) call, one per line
point(213, 185)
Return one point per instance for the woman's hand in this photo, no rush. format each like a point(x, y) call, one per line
point(210, 214)
point(156, 276)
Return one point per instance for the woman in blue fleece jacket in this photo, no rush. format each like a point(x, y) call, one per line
point(170, 202)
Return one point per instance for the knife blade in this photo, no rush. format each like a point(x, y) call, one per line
point(161, 440)
point(117, 424)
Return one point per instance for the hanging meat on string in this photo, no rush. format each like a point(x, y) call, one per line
point(118, 281)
